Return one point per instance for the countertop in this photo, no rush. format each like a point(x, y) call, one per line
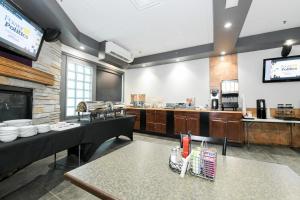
point(271, 120)
point(140, 170)
point(185, 110)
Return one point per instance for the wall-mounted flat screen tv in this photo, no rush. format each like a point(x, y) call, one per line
point(18, 33)
point(281, 69)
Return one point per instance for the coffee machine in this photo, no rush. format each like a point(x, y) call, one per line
point(261, 109)
point(215, 99)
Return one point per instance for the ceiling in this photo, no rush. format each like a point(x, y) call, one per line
point(169, 31)
point(268, 16)
point(171, 25)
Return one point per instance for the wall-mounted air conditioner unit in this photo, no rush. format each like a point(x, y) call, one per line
point(118, 52)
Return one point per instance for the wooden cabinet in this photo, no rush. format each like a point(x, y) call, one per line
point(187, 121)
point(226, 124)
point(193, 125)
point(217, 128)
point(137, 113)
point(179, 124)
point(156, 121)
point(235, 131)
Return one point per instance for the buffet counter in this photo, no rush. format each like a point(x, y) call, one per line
point(172, 122)
point(183, 110)
point(24, 151)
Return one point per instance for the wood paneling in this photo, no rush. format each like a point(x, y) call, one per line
point(273, 133)
point(222, 68)
point(17, 70)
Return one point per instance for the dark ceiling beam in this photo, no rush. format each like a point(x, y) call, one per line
point(191, 53)
point(49, 14)
point(267, 40)
point(225, 39)
point(245, 44)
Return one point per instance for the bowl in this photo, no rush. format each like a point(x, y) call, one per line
point(8, 138)
point(2, 124)
point(8, 128)
point(43, 128)
point(18, 122)
point(27, 131)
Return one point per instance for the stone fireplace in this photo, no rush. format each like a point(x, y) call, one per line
point(45, 99)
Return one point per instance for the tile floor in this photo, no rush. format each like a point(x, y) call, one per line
point(41, 181)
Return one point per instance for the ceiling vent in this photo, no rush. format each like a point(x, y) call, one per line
point(144, 4)
point(231, 3)
point(114, 54)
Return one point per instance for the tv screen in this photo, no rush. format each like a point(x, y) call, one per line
point(281, 69)
point(18, 33)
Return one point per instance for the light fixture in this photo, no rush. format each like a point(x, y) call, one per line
point(145, 4)
point(227, 25)
point(289, 42)
point(178, 59)
point(223, 53)
point(231, 3)
point(144, 65)
point(82, 47)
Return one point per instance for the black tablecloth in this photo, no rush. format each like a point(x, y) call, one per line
point(24, 151)
point(100, 131)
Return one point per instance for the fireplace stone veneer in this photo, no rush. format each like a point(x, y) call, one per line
point(46, 102)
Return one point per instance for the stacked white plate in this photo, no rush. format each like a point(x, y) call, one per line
point(27, 131)
point(2, 125)
point(18, 122)
point(43, 128)
point(8, 134)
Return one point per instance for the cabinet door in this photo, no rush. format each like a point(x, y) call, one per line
point(193, 125)
point(150, 126)
point(150, 116)
point(160, 128)
point(217, 128)
point(180, 124)
point(234, 131)
point(161, 117)
point(137, 122)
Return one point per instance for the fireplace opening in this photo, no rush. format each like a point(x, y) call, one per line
point(15, 103)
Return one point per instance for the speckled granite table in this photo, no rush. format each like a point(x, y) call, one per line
point(140, 171)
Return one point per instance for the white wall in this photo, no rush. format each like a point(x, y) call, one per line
point(251, 85)
point(171, 83)
point(176, 82)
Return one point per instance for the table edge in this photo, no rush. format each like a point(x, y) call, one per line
point(270, 121)
point(89, 188)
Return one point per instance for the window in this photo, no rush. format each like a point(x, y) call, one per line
point(79, 85)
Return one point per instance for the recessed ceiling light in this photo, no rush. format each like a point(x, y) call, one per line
point(289, 42)
point(144, 65)
point(82, 47)
point(227, 25)
point(223, 53)
point(231, 3)
point(144, 4)
point(178, 59)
